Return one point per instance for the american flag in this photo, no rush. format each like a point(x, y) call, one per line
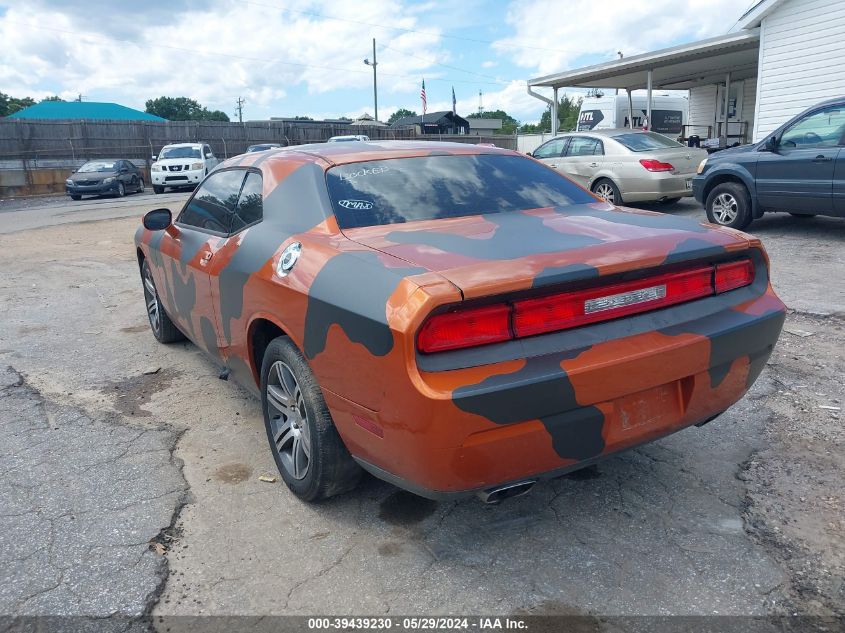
point(422, 97)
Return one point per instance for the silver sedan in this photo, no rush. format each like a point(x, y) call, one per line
point(624, 165)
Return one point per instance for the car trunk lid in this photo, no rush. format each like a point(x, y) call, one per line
point(685, 161)
point(497, 253)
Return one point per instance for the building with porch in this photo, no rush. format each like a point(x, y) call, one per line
point(444, 122)
point(781, 57)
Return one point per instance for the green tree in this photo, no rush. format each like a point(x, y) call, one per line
point(401, 112)
point(183, 109)
point(567, 115)
point(10, 105)
point(53, 98)
point(214, 115)
point(302, 118)
point(509, 124)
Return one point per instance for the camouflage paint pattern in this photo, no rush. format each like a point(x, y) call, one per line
point(467, 419)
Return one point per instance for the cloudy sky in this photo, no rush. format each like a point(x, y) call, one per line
point(298, 57)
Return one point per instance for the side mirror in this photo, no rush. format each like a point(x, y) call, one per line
point(124, 170)
point(209, 155)
point(771, 144)
point(158, 219)
point(529, 154)
point(155, 156)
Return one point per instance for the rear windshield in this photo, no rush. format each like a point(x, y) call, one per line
point(646, 141)
point(434, 187)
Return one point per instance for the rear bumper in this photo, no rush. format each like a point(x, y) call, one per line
point(603, 390)
point(449, 495)
point(656, 187)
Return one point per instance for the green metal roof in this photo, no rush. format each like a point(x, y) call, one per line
point(83, 110)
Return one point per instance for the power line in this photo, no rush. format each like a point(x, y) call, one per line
point(239, 57)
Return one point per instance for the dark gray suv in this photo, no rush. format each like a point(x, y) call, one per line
point(799, 168)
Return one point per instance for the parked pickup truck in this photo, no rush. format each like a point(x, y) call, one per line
point(799, 168)
point(181, 165)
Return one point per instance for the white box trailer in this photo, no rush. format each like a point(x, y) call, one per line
point(669, 114)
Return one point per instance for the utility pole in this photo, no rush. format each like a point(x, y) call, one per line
point(374, 63)
point(480, 105)
point(240, 109)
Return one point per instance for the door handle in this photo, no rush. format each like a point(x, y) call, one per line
point(821, 158)
point(206, 257)
point(555, 166)
point(594, 164)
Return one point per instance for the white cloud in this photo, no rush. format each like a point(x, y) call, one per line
point(213, 52)
point(577, 28)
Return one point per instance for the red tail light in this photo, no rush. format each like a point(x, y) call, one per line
point(527, 317)
point(733, 275)
point(655, 165)
point(466, 328)
point(561, 312)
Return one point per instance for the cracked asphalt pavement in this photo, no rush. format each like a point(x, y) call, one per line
point(130, 472)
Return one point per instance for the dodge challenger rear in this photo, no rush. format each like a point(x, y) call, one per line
point(476, 322)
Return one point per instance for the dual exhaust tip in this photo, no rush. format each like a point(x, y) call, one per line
point(497, 495)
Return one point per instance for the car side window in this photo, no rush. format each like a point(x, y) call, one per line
point(250, 206)
point(820, 129)
point(213, 203)
point(583, 146)
point(552, 149)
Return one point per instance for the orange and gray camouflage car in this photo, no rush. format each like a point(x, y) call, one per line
point(453, 318)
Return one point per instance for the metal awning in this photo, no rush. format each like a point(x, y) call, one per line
point(677, 68)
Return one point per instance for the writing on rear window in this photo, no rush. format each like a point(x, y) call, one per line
point(363, 171)
point(355, 204)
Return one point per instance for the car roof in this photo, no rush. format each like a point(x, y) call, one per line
point(607, 132)
point(184, 144)
point(360, 151)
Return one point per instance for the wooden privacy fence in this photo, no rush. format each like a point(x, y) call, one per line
point(37, 156)
point(139, 140)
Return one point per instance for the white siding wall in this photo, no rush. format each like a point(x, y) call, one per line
point(749, 103)
point(702, 106)
point(801, 60)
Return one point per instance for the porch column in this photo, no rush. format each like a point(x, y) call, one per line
point(630, 109)
point(727, 108)
point(648, 107)
point(554, 114)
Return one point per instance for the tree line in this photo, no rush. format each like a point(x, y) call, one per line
point(186, 109)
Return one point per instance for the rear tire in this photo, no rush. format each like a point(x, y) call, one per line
point(729, 204)
point(163, 328)
point(140, 188)
point(158, 189)
point(607, 190)
point(307, 449)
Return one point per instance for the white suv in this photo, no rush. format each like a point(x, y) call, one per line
point(181, 165)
